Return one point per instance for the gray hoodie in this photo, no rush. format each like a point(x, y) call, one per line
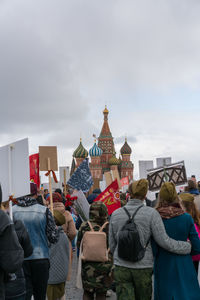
point(149, 223)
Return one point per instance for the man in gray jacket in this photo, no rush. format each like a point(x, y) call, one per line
point(134, 279)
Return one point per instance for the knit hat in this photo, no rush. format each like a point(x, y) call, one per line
point(186, 197)
point(57, 197)
point(139, 188)
point(59, 218)
point(168, 192)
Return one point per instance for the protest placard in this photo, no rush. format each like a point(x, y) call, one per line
point(48, 162)
point(108, 178)
point(81, 204)
point(175, 173)
point(14, 169)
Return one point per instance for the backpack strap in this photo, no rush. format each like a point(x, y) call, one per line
point(103, 226)
point(92, 229)
point(127, 212)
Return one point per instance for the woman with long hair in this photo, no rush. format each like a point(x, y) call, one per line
point(187, 201)
point(174, 275)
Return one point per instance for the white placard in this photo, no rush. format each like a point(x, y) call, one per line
point(102, 185)
point(61, 174)
point(14, 169)
point(81, 203)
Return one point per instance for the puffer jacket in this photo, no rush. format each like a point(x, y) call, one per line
point(15, 283)
point(11, 252)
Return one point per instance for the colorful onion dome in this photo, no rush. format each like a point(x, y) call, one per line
point(114, 160)
point(95, 150)
point(126, 149)
point(80, 152)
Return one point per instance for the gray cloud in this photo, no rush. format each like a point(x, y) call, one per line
point(61, 61)
point(121, 139)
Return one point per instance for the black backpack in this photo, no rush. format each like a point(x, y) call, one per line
point(130, 247)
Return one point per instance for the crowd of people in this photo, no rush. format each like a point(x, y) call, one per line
point(140, 252)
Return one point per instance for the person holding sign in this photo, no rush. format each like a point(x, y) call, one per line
point(11, 253)
point(41, 226)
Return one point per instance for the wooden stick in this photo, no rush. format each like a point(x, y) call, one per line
point(65, 187)
point(50, 186)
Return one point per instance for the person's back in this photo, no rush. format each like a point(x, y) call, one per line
point(96, 276)
point(175, 276)
point(59, 261)
point(41, 227)
point(15, 283)
point(149, 223)
point(34, 219)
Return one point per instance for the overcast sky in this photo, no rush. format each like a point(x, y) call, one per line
point(62, 61)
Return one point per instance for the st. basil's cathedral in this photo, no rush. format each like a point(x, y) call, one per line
point(103, 156)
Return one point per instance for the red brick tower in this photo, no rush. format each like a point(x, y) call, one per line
point(105, 142)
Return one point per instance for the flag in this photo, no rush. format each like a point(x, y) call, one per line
point(81, 179)
point(124, 181)
point(34, 169)
point(110, 197)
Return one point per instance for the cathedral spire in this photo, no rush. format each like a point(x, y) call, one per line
point(105, 131)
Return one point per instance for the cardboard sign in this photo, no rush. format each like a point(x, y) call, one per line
point(115, 175)
point(14, 169)
point(108, 178)
point(46, 152)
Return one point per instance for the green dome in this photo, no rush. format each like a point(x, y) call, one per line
point(126, 149)
point(114, 161)
point(80, 152)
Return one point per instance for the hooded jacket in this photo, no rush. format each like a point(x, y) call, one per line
point(15, 285)
point(11, 252)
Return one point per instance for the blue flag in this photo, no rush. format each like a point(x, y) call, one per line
point(81, 179)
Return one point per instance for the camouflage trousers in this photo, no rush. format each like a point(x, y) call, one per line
point(133, 284)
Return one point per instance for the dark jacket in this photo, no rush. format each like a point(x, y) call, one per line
point(11, 253)
point(15, 285)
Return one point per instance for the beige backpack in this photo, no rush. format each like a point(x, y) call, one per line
point(94, 245)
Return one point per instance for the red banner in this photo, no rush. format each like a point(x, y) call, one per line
point(34, 169)
point(110, 197)
point(124, 181)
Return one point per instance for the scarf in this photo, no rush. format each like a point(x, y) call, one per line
point(171, 211)
point(26, 201)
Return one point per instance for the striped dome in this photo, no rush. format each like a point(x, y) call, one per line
point(80, 152)
point(114, 161)
point(126, 149)
point(95, 151)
